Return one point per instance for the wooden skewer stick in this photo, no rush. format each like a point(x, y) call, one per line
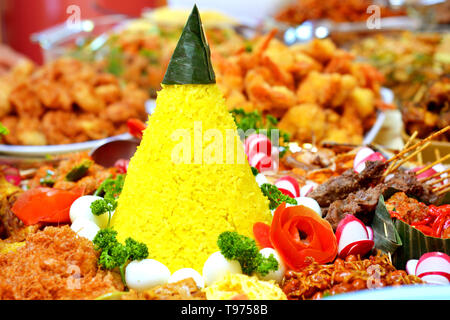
point(418, 144)
point(441, 187)
point(440, 180)
point(395, 167)
point(411, 138)
point(437, 174)
point(432, 164)
point(444, 191)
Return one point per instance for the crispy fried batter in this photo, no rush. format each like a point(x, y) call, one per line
point(66, 101)
point(55, 264)
point(182, 290)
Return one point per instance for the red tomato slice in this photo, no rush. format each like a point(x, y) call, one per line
point(45, 205)
point(261, 231)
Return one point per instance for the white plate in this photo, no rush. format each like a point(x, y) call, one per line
point(44, 151)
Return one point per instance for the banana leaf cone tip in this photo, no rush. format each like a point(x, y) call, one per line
point(191, 60)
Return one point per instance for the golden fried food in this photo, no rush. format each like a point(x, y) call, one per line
point(181, 290)
point(319, 92)
point(335, 10)
point(55, 175)
point(66, 101)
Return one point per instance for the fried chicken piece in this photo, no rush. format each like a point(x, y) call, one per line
point(24, 101)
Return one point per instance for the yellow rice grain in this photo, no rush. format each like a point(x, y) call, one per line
point(179, 209)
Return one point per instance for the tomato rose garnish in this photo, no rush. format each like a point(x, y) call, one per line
point(45, 205)
point(298, 233)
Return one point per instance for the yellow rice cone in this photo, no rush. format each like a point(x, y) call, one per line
point(175, 202)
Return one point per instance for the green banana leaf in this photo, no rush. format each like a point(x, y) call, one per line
point(416, 243)
point(401, 240)
point(191, 60)
point(386, 237)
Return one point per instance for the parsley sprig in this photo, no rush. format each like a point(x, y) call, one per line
point(110, 189)
point(275, 196)
point(234, 246)
point(116, 255)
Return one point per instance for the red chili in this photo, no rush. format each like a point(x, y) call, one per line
point(425, 229)
point(136, 127)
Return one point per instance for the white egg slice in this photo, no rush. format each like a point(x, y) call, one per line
point(145, 274)
point(261, 179)
point(186, 273)
point(273, 275)
point(217, 266)
point(85, 228)
point(81, 208)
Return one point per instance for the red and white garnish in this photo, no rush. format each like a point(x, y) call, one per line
point(257, 143)
point(432, 267)
point(353, 237)
point(432, 171)
point(122, 165)
point(307, 188)
point(366, 154)
point(12, 175)
point(261, 161)
point(288, 186)
point(260, 152)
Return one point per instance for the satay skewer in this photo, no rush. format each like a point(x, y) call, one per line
point(437, 174)
point(433, 164)
point(444, 190)
point(411, 138)
point(418, 144)
point(440, 180)
point(399, 163)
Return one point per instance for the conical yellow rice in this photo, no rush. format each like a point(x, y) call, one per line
point(179, 209)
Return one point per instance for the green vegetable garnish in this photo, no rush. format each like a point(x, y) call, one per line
point(254, 171)
point(110, 189)
point(234, 246)
point(254, 121)
point(48, 180)
point(3, 130)
point(79, 171)
point(275, 196)
point(116, 255)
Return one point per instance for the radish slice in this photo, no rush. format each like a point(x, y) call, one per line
point(364, 155)
point(307, 188)
point(261, 161)
point(360, 247)
point(288, 186)
point(433, 262)
point(439, 278)
point(370, 233)
point(12, 175)
point(424, 174)
point(15, 180)
point(411, 266)
point(258, 143)
point(353, 237)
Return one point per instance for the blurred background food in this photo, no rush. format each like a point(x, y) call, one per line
point(66, 101)
point(314, 86)
point(416, 67)
point(300, 11)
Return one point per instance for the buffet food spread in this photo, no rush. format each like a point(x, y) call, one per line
point(250, 180)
